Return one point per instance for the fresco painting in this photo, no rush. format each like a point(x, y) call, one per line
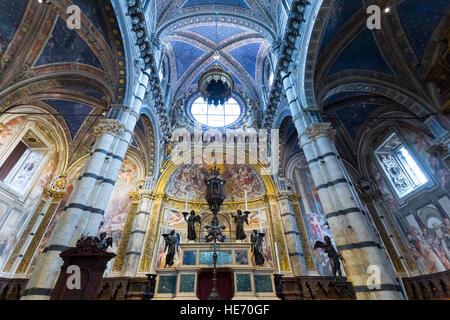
point(9, 130)
point(429, 245)
point(172, 220)
point(189, 179)
point(314, 217)
point(119, 205)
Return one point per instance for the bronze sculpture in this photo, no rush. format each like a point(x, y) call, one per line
point(333, 255)
point(192, 220)
point(257, 247)
point(240, 219)
point(105, 242)
point(172, 246)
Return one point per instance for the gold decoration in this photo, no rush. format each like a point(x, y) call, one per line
point(151, 240)
point(316, 130)
point(125, 238)
point(307, 253)
point(55, 196)
point(23, 266)
point(109, 126)
point(24, 237)
point(134, 196)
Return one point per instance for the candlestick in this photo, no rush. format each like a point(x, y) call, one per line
point(186, 206)
point(166, 223)
point(260, 221)
point(278, 257)
point(246, 205)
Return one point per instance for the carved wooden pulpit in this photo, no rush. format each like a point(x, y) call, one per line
point(81, 275)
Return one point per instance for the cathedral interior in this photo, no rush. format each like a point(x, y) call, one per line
point(350, 100)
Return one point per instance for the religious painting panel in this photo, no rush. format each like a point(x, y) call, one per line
point(314, 216)
point(119, 204)
point(188, 182)
point(258, 221)
point(172, 220)
point(428, 237)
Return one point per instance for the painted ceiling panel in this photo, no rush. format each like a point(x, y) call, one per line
point(419, 30)
point(342, 11)
point(361, 53)
point(67, 46)
point(246, 55)
point(185, 54)
point(341, 96)
point(11, 13)
point(141, 126)
point(74, 113)
point(235, 3)
point(222, 32)
point(95, 14)
point(354, 116)
point(90, 91)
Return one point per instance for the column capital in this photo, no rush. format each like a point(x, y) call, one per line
point(56, 189)
point(109, 126)
point(53, 195)
point(146, 194)
point(134, 196)
point(368, 190)
point(284, 196)
point(319, 129)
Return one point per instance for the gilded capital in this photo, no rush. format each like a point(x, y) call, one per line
point(134, 196)
point(319, 129)
point(109, 126)
point(146, 194)
point(284, 196)
point(59, 184)
point(55, 196)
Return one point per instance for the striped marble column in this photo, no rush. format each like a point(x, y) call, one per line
point(137, 236)
point(113, 136)
point(292, 235)
point(102, 194)
point(354, 237)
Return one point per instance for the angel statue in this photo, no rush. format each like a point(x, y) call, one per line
point(105, 242)
point(172, 244)
point(333, 255)
point(239, 220)
point(192, 220)
point(257, 247)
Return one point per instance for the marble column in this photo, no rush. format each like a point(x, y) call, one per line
point(149, 252)
point(278, 237)
point(391, 235)
point(31, 237)
point(97, 180)
point(137, 236)
point(354, 237)
point(292, 235)
point(129, 117)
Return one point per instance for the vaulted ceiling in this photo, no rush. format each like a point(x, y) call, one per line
point(73, 74)
point(193, 30)
point(400, 54)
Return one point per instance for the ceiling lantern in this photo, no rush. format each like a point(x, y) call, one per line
point(216, 85)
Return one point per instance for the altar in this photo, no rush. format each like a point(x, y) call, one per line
point(184, 282)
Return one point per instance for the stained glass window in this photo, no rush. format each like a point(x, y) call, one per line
point(212, 116)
